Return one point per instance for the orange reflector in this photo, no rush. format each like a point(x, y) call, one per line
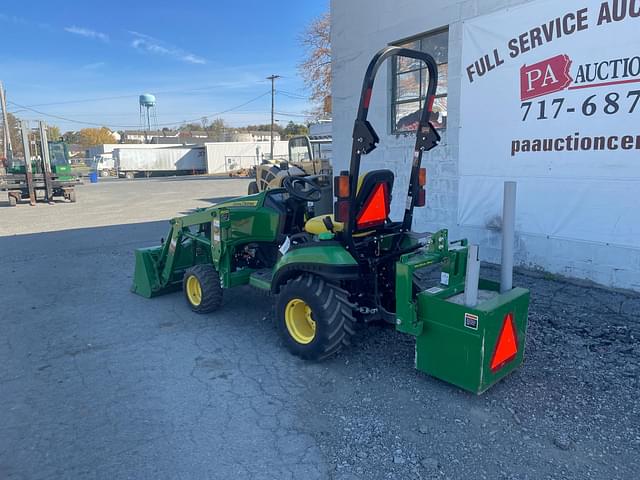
point(376, 209)
point(422, 178)
point(507, 346)
point(341, 186)
point(341, 211)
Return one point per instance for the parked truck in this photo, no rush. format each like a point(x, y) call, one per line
point(132, 162)
point(104, 164)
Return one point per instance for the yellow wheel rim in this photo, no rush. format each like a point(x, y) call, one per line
point(297, 316)
point(194, 291)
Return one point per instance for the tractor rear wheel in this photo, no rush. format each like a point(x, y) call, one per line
point(253, 188)
point(201, 287)
point(315, 318)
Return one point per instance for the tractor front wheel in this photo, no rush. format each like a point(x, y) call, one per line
point(315, 318)
point(253, 188)
point(201, 287)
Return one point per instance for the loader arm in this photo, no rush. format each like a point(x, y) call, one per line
point(159, 270)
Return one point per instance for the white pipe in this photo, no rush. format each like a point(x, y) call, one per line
point(508, 236)
point(472, 278)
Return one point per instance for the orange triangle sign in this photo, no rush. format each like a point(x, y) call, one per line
point(507, 346)
point(376, 209)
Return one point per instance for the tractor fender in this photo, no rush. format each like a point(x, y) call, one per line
point(331, 262)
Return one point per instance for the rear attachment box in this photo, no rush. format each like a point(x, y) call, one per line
point(470, 347)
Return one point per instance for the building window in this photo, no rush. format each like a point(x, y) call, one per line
point(410, 81)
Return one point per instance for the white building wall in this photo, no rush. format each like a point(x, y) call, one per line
point(223, 157)
point(110, 147)
point(362, 27)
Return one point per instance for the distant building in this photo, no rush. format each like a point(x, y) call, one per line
point(194, 137)
point(195, 134)
point(264, 136)
point(139, 136)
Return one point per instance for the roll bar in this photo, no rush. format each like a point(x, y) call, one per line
point(365, 138)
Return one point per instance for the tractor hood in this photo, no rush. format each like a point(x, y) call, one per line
point(256, 200)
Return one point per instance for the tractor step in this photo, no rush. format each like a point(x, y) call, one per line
point(261, 279)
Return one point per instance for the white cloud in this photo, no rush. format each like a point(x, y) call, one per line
point(88, 33)
point(23, 21)
point(147, 44)
point(94, 66)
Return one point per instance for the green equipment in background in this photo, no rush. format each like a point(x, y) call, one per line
point(49, 172)
point(59, 159)
point(328, 272)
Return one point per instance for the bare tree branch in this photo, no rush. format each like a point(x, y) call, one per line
point(316, 67)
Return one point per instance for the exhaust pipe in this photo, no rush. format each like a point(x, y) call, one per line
point(472, 278)
point(508, 236)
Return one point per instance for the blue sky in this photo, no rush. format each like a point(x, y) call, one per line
point(198, 57)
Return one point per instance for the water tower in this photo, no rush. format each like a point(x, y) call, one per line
point(148, 115)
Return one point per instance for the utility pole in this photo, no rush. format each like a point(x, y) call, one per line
point(7, 150)
point(273, 79)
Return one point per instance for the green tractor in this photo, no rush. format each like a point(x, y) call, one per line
point(328, 272)
point(60, 164)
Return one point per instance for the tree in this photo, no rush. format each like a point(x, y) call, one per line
point(71, 138)
point(190, 127)
point(294, 130)
point(14, 133)
point(262, 128)
point(95, 136)
point(53, 133)
point(217, 129)
point(316, 66)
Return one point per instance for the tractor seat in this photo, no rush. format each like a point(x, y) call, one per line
point(316, 226)
point(367, 186)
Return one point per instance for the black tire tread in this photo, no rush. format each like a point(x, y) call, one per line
point(337, 315)
point(212, 292)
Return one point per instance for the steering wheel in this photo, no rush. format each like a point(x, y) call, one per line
point(302, 188)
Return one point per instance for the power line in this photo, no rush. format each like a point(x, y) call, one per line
point(80, 122)
point(294, 96)
point(117, 97)
point(291, 114)
point(86, 100)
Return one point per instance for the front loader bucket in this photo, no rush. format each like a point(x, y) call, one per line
point(146, 279)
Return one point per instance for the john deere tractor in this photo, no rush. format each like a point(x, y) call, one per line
point(328, 272)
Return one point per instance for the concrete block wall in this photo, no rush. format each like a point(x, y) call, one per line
point(362, 27)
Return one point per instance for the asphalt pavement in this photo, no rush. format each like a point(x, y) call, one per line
point(98, 383)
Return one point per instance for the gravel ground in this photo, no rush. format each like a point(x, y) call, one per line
point(570, 412)
point(98, 383)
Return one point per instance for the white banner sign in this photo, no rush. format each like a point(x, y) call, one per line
point(551, 98)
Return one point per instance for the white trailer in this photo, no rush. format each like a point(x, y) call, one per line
point(229, 157)
point(130, 162)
